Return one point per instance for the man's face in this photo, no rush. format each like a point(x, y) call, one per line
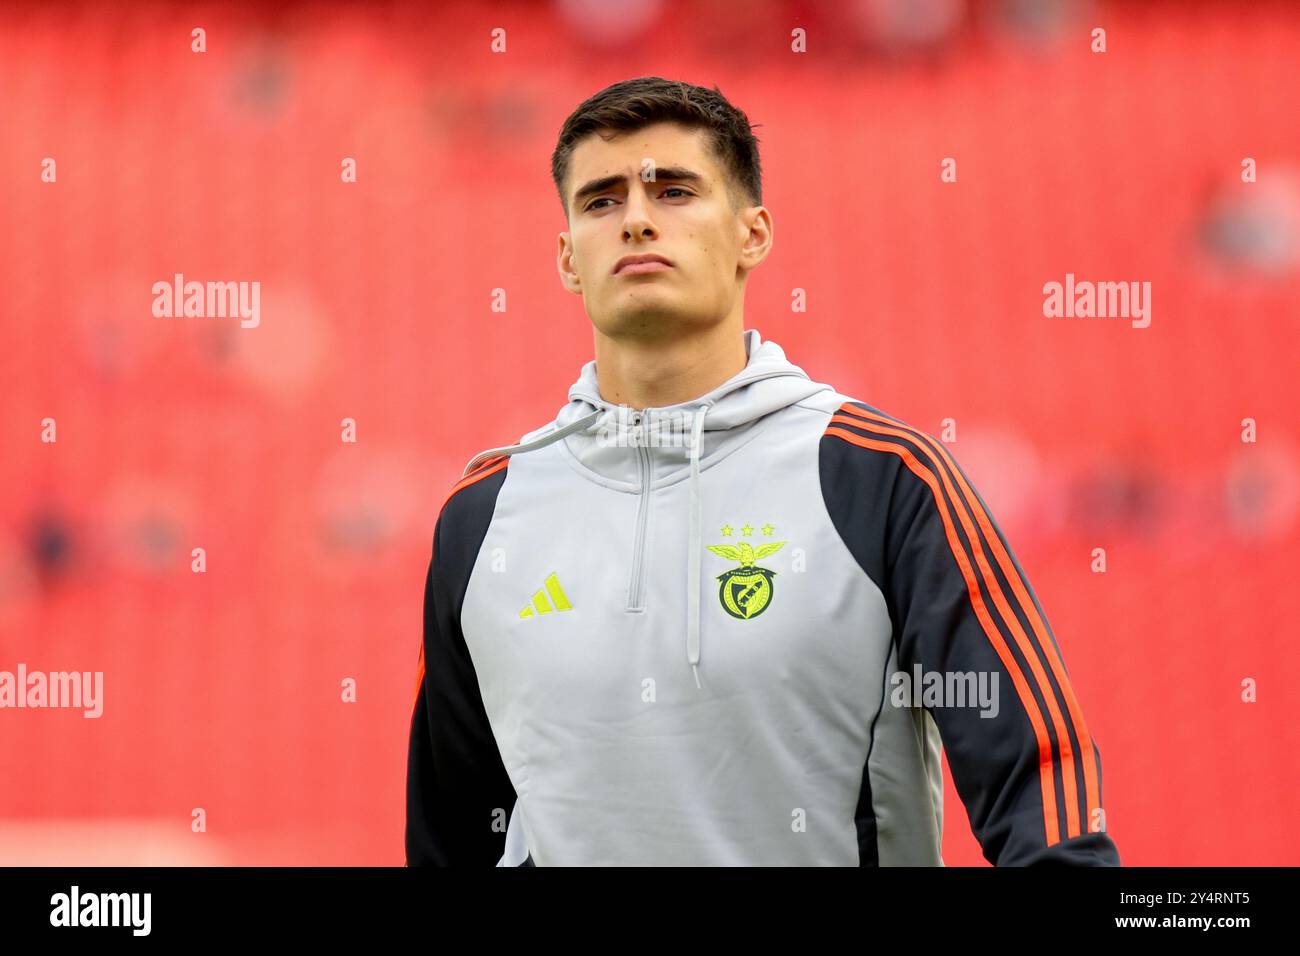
point(683, 215)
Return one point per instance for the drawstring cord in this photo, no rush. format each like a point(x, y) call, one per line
point(694, 539)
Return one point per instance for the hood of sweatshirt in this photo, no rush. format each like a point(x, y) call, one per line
point(638, 450)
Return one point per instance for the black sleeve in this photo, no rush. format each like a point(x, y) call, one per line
point(959, 602)
point(458, 794)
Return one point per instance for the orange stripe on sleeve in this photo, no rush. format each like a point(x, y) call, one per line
point(490, 467)
point(419, 676)
point(1046, 776)
point(1091, 790)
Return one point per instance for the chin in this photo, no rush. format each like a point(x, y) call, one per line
point(641, 308)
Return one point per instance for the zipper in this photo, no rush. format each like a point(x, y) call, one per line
point(642, 514)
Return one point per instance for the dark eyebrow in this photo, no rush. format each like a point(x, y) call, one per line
point(676, 173)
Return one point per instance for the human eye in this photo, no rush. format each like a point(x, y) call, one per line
point(677, 189)
point(592, 205)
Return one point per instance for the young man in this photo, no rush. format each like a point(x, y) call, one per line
point(717, 613)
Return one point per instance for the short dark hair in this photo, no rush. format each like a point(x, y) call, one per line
point(632, 104)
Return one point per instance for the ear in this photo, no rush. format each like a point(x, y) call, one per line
point(755, 225)
point(567, 264)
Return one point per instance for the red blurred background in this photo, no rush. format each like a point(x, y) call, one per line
point(925, 298)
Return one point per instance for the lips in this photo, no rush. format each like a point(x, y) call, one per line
point(650, 262)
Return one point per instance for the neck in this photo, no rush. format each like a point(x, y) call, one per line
point(655, 372)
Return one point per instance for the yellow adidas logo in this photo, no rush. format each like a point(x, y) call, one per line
point(548, 598)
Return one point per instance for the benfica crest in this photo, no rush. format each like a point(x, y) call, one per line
point(746, 591)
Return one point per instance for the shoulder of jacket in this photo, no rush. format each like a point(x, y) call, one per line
point(861, 437)
point(478, 487)
point(846, 414)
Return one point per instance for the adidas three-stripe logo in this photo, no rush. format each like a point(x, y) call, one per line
point(550, 597)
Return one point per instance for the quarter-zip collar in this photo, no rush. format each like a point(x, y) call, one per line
point(672, 442)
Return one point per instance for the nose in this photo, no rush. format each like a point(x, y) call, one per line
point(636, 216)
